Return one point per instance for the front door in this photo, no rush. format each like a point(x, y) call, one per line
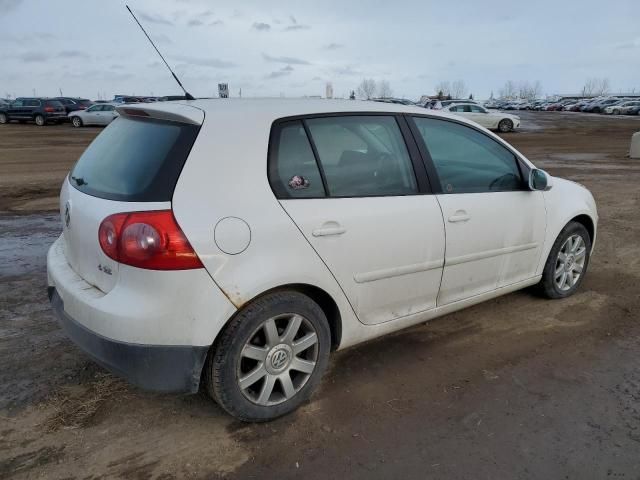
point(495, 226)
point(350, 185)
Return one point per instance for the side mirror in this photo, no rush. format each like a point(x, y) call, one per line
point(539, 180)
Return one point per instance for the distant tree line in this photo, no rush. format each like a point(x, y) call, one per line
point(369, 88)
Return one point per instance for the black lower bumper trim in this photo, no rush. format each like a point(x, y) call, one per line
point(164, 368)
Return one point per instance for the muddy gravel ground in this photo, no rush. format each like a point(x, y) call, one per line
point(518, 387)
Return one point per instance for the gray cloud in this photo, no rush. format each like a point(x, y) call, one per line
point(346, 70)
point(205, 62)
point(194, 22)
point(293, 19)
point(289, 60)
point(292, 28)
point(72, 54)
point(261, 27)
point(153, 18)
point(32, 57)
point(278, 74)
point(333, 46)
point(7, 6)
point(216, 22)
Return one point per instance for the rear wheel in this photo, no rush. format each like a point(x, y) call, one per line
point(270, 357)
point(3, 118)
point(616, 111)
point(567, 262)
point(505, 125)
point(40, 120)
point(76, 122)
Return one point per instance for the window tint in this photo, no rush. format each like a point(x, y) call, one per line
point(293, 170)
point(32, 103)
point(135, 160)
point(18, 103)
point(94, 108)
point(468, 161)
point(363, 156)
point(108, 108)
point(477, 109)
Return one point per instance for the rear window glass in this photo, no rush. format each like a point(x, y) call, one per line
point(137, 160)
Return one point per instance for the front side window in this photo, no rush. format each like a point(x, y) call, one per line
point(468, 161)
point(363, 156)
point(95, 108)
point(293, 171)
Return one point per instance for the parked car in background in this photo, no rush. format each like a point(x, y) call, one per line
point(155, 273)
point(171, 98)
point(38, 110)
point(98, 114)
point(599, 105)
point(440, 104)
point(73, 104)
point(503, 122)
point(621, 107)
point(4, 101)
point(633, 111)
point(397, 101)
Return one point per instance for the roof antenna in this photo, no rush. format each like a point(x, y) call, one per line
point(187, 95)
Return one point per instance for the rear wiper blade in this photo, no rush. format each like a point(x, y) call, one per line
point(79, 180)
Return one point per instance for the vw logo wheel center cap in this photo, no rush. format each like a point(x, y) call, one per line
point(278, 359)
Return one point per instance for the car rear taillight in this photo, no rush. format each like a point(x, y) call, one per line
point(151, 240)
point(49, 109)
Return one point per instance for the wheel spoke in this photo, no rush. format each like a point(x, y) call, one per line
point(568, 246)
point(577, 243)
point(271, 332)
point(562, 257)
point(305, 342)
point(569, 279)
point(292, 329)
point(301, 365)
point(577, 268)
point(287, 385)
point(252, 377)
point(558, 271)
point(267, 388)
point(562, 280)
point(580, 253)
point(254, 352)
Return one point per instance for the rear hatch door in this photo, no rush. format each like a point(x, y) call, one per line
point(133, 165)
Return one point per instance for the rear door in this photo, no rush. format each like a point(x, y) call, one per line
point(495, 226)
point(359, 195)
point(133, 165)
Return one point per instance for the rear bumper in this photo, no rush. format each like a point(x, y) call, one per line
point(163, 368)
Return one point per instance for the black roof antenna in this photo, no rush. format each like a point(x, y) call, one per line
point(187, 95)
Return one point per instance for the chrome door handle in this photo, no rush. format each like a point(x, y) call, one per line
point(323, 232)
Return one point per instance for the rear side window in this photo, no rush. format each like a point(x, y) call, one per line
point(136, 160)
point(363, 156)
point(468, 161)
point(53, 103)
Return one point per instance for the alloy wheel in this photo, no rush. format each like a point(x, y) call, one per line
point(570, 263)
point(278, 359)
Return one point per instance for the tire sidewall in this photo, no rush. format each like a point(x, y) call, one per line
point(508, 123)
point(222, 367)
point(548, 280)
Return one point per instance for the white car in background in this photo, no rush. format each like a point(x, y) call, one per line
point(236, 244)
point(98, 114)
point(503, 122)
point(621, 108)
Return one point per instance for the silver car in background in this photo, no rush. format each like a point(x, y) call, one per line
point(98, 114)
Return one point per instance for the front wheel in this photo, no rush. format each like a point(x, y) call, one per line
point(616, 111)
point(567, 262)
point(40, 121)
point(76, 122)
point(270, 357)
point(505, 125)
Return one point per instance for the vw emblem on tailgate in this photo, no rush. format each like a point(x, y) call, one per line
point(67, 214)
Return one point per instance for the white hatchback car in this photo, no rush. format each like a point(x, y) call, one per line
point(98, 114)
point(238, 242)
point(493, 120)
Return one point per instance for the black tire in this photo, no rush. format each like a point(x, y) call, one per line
point(616, 111)
point(505, 125)
point(3, 118)
point(76, 121)
point(40, 120)
point(222, 366)
point(547, 285)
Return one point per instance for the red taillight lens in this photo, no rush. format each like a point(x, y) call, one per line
point(151, 240)
point(49, 109)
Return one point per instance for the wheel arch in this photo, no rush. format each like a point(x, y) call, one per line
point(587, 222)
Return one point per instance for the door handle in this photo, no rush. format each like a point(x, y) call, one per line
point(324, 232)
point(459, 216)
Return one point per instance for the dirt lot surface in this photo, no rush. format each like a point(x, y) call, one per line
point(518, 387)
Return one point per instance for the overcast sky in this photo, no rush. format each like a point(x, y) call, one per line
point(292, 48)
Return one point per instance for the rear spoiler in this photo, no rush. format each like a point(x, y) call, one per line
point(172, 112)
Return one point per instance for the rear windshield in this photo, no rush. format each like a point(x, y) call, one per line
point(135, 160)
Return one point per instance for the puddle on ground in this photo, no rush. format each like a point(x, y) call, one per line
point(24, 241)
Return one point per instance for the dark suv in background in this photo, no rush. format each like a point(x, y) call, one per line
point(39, 110)
point(74, 104)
